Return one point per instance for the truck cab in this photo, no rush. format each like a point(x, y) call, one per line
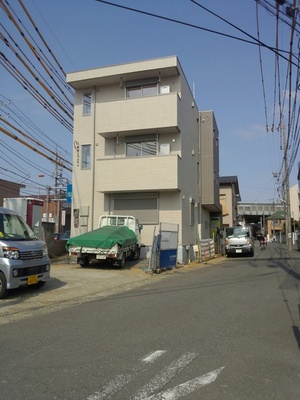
point(239, 240)
point(122, 220)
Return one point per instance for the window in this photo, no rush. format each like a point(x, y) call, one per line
point(87, 104)
point(192, 212)
point(141, 149)
point(142, 145)
point(140, 91)
point(86, 156)
point(142, 87)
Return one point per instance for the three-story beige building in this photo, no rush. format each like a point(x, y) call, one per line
point(137, 150)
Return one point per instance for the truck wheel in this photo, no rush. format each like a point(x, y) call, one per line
point(3, 288)
point(122, 261)
point(84, 262)
point(136, 254)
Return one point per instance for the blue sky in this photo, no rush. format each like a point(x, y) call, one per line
point(225, 75)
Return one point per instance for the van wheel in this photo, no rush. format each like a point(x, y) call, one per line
point(3, 288)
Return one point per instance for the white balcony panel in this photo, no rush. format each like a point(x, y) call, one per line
point(143, 113)
point(137, 174)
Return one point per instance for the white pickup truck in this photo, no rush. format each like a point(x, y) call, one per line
point(117, 238)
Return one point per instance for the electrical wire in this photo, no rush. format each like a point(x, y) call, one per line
point(261, 70)
point(10, 110)
point(30, 138)
point(19, 77)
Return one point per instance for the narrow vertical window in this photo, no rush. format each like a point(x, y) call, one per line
point(86, 156)
point(87, 104)
point(192, 212)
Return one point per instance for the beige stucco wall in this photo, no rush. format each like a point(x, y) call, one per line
point(176, 177)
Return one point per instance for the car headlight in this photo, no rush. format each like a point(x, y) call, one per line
point(45, 250)
point(11, 252)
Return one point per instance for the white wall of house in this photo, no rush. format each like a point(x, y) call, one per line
point(169, 179)
point(294, 200)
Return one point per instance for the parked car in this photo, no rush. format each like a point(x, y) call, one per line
point(24, 259)
point(62, 235)
point(58, 236)
point(66, 235)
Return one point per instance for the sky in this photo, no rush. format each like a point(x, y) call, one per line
point(234, 78)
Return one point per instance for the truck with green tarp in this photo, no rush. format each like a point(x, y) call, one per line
point(116, 239)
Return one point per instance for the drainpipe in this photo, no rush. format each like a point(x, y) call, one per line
point(94, 162)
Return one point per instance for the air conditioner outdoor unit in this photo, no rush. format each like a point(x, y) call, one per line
point(165, 89)
point(164, 149)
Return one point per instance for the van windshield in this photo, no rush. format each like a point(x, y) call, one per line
point(12, 227)
point(237, 231)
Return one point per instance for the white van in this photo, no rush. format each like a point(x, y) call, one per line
point(24, 259)
point(239, 240)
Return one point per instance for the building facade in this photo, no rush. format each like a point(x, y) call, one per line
point(229, 198)
point(137, 149)
point(9, 189)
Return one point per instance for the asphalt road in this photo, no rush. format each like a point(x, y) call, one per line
point(226, 331)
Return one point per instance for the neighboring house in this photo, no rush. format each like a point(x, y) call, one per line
point(9, 189)
point(294, 200)
point(211, 216)
point(276, 224)
point(137, 150)
point(229, 198)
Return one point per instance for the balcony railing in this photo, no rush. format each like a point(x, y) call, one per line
point(143, 113)
point(138, 174)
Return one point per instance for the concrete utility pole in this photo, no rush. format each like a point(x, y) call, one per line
point(286, 183)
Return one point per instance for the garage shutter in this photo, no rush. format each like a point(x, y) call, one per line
point(144, 209)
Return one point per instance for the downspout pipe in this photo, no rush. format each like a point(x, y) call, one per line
point(94, 163)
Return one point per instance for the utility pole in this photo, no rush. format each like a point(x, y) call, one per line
point(286, 184)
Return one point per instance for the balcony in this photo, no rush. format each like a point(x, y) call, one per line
point(138, 174)
point(139, 114)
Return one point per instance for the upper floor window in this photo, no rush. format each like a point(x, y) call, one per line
point(142, 87)
point(141, 149)
point(86, 156)
point(87, 104)
point(141, 146)
point(141, 91)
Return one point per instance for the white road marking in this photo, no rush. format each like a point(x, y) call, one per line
point(122, 380)
point(113, 387)
point(159, 381)
point(150, 358)
point(165, 376)
point(187, 387)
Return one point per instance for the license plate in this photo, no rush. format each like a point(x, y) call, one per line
point(238, 251)
point(32, 280)
point(101, 257)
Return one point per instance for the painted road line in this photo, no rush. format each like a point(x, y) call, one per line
point(150, 358)
point(187, 387)
point(164, 376)
point(122, 380)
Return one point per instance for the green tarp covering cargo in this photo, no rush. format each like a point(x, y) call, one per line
point(105, 238)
